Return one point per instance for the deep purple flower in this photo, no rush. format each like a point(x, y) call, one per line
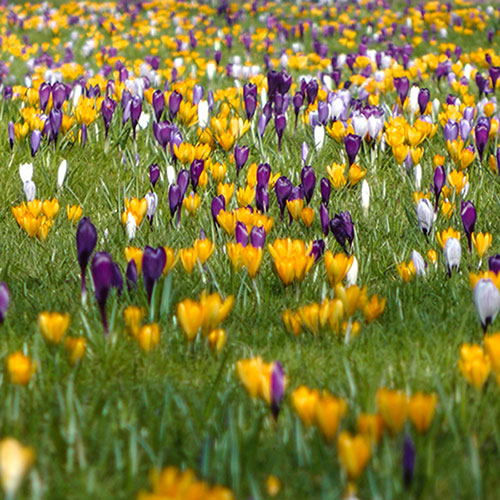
point(131, 275)
point(44, 95)
point(162, 132)
point(402, 85)
point(324, 218)
point(308, 178)
point(262, 198)
point(107, 110)
point(4, 300)
point(58, 95)
point(282, 188)
point(195, 171)
point(183, 178)
point(55, 120)
point(11, 134)
point(240, 157)
point(280, 125)
point(482, 84)
point(481, 133)
point(277, 388)
point(241, 234)
point(312, 91)
point(423, 99)
point(83, 135)
point(102, 274)
point(342, 228)
point(469, 216)
point(153, 263)
point(439, 179)
point(465, 128)
point(198, 92)
point(86, 239)
point(273, 78)
point(494, 263)
point(450, 131)
point(154, 173)
point(325, 187)
point(352, 144)
point(250, 99)
point(218, 204)
point(408, 460)
point(297, 101)
point(494, 72)
point(263, 175)
point(117, 281)
point(174, 103)
point(158, 101)
point(318, 249)
point(135, 112)
point(257, 236)
point(174, 198)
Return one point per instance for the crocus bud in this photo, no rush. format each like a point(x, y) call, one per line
point(15, 461)
point(26, 172)
point(257, 236)
point(29, 190)
point(352, 144)
point(4, 300)
point(342, 229)
point(130, 226)
point(439, 179)
point(487, 301)
point(317, 249)
point(218, 204)
point(131, 275)
point(44, 95)
point(241, 234)
point(408, 460)
point(282, 188)
point(107, 110)
point(481, 132)
point(58, 95)
point(102, 274)
point(183, 180)
point(324, 218)
point(308, 178)
point(86, 240)
point(117, 281)
point(262, 198)
point(263, 175)
point(277, 389)
point(419, 263)
point(494, 263)
point(319, 137)
point(423, 100)
point(154, 174)
point(158, 101)
point(11, 134)
point(174, 198)
point(280, 125)
point(425, 216)
point(153, 263)
point(203, 114)
point(174, 103)
point(352, 273)
point(152, 201)
point(61, 173)
point(35, 139)
point(365, 196)
point(452, 254)
point(240, 157)
point(469, 216)
point(195, 172)
point(304, 151)
point(325, 187)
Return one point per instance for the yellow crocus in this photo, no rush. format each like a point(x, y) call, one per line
point(482, 242)
point(354, 453)
point(392, 406)
point(53, 325)
point(421, 409)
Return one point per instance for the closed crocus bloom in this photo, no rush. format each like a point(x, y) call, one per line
point(75, 347)
point(153, 262)
point(474, 365)
point(354, 453)
point(53, 325)
point(15, 461)
point(492, 346)
point(352, 273)
point(73, 212)
point(190, 317)
point(26, 172)
point(408, 460)
point(487, 301)
point(20, 368)
point(452, 254)
point(148, 337)
point(371, 426)
point(365, 196)
point(204, 248)
point(481, 242)
point(188, 258)
point(329, 413)
point(305, 401)
point(217, 339)
point(86, 239)
point(103, 271)
point(392, 406)
point(469, 216)
point(61, 173)
point(419, 263)
point(425, 215)
point(337, 267)
point(29, 189)
point(421, 409)
point(373, 308)
point(277, 387)
point(132, 317)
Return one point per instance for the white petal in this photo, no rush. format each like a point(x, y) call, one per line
point(29, 190)
point(61, 173)
point(26, 172)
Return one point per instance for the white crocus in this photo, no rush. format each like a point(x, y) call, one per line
point(365, 196)
point(452, 254)
point(419, 263)
point(203, 114)
point(211, 70)
point(360, 125)
point(171, 175)
point(425, 215)
point(29, 190)
point(413, 98)
point(352, 274)
point(417, 174)
point(152, 201)
point(26, 172)
point(130, 226)
point(319, 137)
point(487, 301)
point(61, 173)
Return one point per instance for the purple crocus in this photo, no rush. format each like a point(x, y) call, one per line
point(469, 216)
point(83, 135)
point(4, 300)
point(494, 263)
point(450, 131)
point(107, 110)
point(174, 103)
point(11, 134)
point(481, 133)
point(153, 263)
point(195, 172)
point(241, 234)
point(408, 460)
point(240, 157)
point(352, 144)
point(494, 72)
point(154, 174)
point(318, 249)
point(439, 179)
point(324, 218)
point(402, 85)
point(183, 178)
point(58, 95)
point(257, 236)
point(162, 132)
point(277, 388)
point(297, 101)
point(135, 112)
point(282, 188)
point(86, 239)
point(158, 101)
point(262, 198)
point(44, 95)
point(263, 175)
point(280, 125)
point(174, 198)
point(131, 275)
point(218, 204)
point(325, 188)
point(55, 121)
point(308, 178)
point(342, 228)
point(423, 99)
point(103, 271)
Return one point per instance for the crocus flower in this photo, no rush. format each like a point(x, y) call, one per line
point(154, 174)
point(102, 274)
point(241, 234)
point(494, 263)
point(277, 387)
point(487, 301)
point(135, 112)
point(158, 101)
point(324, 217)
point(439, 180)
point(352, 144)
point(4, 300)
point(343, 229)
point(450, 131)
point(152, 200)
point(257, 236)
point(107, 110)
point(280, 125)
point(262, 198)
point(174, 103)
point(86, 239)
point(15, 461)
point(308, 178)
point(423, 100)
point(325, 187)
point(35, 139)
point(425, 216)
point(58, 95)
point(469, 216)
point(408, 460)
point(481, 132)
point(240, 157)
point(131, 275)
point(183, 178)
point(402, 85)
point(11, 134)
point(318, 249)
point(44, 95)
point(195, 172)
point(452, 254)
point(494, 72)
point(153, 263)
point(297, 101)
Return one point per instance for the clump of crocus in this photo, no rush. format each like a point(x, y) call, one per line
point(36, 217)
point(205, 315)
point(322, 409)
point(266, 381)
point(86, 240)
point(292, 259)
point(20, 368)
point(474, 365)
point(53, 326)
point(15, 461)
